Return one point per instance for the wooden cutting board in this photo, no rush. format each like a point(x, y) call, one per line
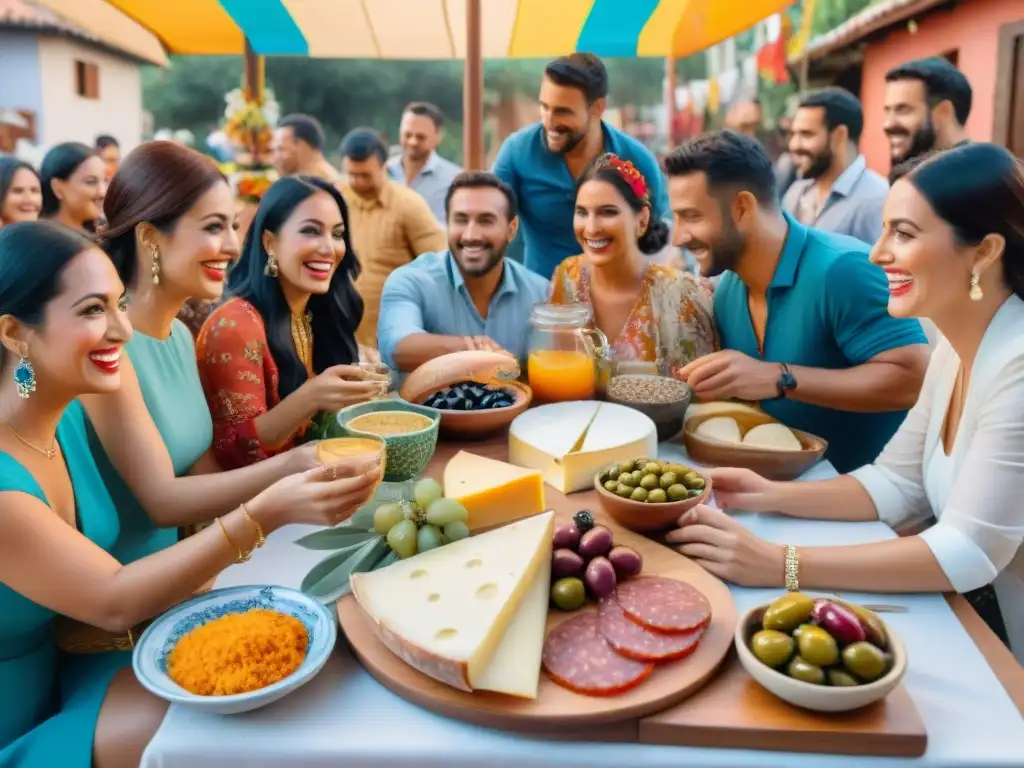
point(733, 712)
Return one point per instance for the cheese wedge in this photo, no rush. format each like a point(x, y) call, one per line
point(570, 449)
point(722, 429)
point(775, 437)
point(445, 612)
point(493, 492)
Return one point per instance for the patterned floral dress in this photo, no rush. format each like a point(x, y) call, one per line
point(240, 380)
point(670, 325)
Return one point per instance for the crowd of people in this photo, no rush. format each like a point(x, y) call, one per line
point(139, 457)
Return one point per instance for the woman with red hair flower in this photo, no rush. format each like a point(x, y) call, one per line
point(650, 313)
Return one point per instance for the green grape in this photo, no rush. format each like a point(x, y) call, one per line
point(385, 516)
point(428, 538)
point(426, 492)
point(456, 530)
point(444, 511)
point(402, 538)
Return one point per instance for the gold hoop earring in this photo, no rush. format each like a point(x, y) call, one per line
point(271, 269)
point(976, 293)
point(154, 268)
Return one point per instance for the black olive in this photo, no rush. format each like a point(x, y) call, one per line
point(463, 405)
point(584, 520)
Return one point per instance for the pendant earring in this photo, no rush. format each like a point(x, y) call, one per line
point(25, 378)
point(976, 293)
point(155, 267)
point(271, 269)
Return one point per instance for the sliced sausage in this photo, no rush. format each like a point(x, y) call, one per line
point(663, 605)
point(577, 657)
point(634, 641)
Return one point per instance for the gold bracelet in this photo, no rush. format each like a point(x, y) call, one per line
point(242, 556)
point(260, 538)
point(792, 569)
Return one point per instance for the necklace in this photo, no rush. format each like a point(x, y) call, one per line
point(302, 338)
point(49, 453)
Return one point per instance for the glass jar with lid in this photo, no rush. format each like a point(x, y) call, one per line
point(567, 357)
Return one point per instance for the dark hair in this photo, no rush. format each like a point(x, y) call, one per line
point(158, 182)
point(60, 163)
point(942, 82)
point(730, 160)
point(602, 168)
point(336, 314)
point(978, 190)
point(9, 166)
point(105, 140)
point(426, 109)
point(841, 108)
point(583, 71)
point(305, 128)
point(362, 143)
point(478, 180)
point(33, 257)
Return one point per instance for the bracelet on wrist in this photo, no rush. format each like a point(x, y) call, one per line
point(260, 538)
point(792, 572)
point(242, 555)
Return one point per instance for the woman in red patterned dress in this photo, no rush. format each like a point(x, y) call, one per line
point(283, 348)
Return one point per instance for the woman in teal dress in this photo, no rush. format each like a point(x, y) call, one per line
point(63, 326)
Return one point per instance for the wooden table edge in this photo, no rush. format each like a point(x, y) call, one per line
point(1008, 671)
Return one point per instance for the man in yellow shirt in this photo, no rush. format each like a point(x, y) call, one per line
point(391, 224)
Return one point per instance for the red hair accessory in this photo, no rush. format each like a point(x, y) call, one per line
point(630, 175)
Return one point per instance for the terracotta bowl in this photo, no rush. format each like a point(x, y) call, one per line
point(773, 464)
point(642, 517)
point(476, 425)
point(667, 417)
point(820, 698)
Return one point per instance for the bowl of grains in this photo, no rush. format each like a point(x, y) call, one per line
point(662, 398)
point(235, 649)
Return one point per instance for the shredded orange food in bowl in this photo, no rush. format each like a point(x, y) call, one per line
point(238, 653)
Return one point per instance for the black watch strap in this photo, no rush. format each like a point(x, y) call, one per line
point(786, 382)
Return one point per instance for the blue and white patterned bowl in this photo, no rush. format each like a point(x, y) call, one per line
point(149, 660)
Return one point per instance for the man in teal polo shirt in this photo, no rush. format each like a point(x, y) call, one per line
point(802, 314)
point(542, 161)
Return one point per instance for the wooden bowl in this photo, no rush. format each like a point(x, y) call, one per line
point(476, 425)
point(642, 517)
point(773, 464)
point(820, 698)
point(667, 417)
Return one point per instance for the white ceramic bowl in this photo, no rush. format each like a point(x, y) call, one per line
point(820, 698)
point(149, 660)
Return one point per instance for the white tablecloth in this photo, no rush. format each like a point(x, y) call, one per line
point(345, 718)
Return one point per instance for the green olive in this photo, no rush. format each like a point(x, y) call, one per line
point(668, 479)
point(865, 660)
point(611, 485)
point(657, 496)
point(788, 612)
point(623, 490)
point(801, 669)
point(818, 647)
point(626, 466)
point(695, 485)
point(652, 468)
point(639, 494)
point(771, 647)
point(626, 478)
point(649, 482)
point(689, 477)
point(693, 493)
point(676, 492)
point(638, 475)
point(799, 630)
point(568, 593)
point(841, 679)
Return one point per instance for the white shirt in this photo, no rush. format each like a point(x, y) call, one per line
point(976, 493)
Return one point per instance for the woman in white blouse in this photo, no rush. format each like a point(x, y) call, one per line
point(953, 248)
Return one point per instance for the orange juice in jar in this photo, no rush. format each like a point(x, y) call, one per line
point(564, 353)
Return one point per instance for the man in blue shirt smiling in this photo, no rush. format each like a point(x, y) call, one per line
point(469, 296)
point(542, 161)
point(802, 314)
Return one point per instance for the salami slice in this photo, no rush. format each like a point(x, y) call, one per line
point(663, 605)
point(577, 657)
point(635, 642)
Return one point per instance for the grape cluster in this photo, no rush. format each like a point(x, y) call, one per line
point(427, 522)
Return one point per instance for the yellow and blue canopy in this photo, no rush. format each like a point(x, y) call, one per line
point(430, 29)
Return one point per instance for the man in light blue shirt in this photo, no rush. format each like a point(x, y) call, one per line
point(542, 161)
point(419, 167)
point(469, 296)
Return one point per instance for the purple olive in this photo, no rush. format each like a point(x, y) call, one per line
point(567, 536)
point(600, 578)
point(565, 562)
point(627, 562)
point(839, 621)
point(595, 542)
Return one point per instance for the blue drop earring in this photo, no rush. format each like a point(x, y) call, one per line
point(25, 378)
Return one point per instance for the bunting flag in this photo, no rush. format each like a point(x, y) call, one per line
point(772, 57)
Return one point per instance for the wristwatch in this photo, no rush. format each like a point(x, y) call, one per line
point(786, 382)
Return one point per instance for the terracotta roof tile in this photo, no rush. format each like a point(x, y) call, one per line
point(873, 18)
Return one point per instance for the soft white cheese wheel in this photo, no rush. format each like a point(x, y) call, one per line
point(776, 437)
point(723, 429)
